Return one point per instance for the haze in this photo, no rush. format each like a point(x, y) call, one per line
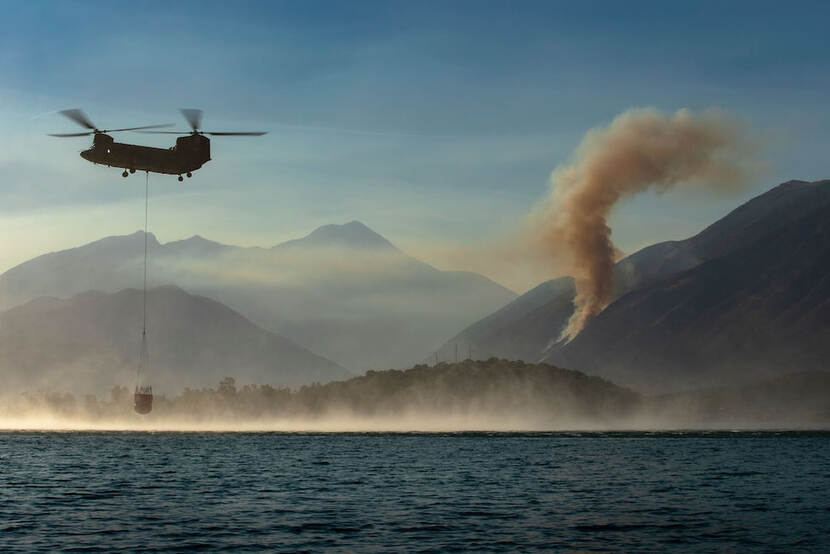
point(438, 181)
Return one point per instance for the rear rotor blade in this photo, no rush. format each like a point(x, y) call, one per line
point(217, 134)
point(193, 116)
point(242, 134)
point(137, 128)
point(79, 117)
point(70, 134)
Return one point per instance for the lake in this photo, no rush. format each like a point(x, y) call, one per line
point(761, 491)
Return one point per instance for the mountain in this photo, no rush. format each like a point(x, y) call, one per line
point(762, 309)
point(70, 272)
point(91, 342)
point(342, 291)
point(734, 298)
point(352, 235)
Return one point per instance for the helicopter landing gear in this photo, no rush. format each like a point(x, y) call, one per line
point(181, 178)
point(125, 173)
point(189, 175)
point(132, 170)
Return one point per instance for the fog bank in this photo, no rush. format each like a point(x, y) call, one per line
point(493, 395)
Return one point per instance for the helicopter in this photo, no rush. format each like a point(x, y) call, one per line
point(190, 153)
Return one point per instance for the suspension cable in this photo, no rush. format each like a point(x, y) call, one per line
point(146, 210)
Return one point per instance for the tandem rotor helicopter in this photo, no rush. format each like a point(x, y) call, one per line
point(190, 153)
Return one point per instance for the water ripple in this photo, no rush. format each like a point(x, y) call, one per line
point(151, 492)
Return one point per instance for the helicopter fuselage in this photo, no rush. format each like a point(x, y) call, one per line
point(190, 153)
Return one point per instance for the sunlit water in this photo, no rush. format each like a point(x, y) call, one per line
point(393, 492)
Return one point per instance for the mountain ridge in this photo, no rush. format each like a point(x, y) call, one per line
point(320, 292)
point(757, 311)
point(94, 337)
point(528, 327)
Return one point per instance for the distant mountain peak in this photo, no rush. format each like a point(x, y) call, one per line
point(195, 245)
point(353, 234)
point(133, 236)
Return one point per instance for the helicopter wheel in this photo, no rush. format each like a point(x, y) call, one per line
point(181, 178)
point(124, 174)
point(132, 170)
point(189, 174)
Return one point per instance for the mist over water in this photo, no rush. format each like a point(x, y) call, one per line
point(335, 423)
point(532, 399)
point(455, 416)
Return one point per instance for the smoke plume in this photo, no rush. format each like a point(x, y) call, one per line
point(640, 150)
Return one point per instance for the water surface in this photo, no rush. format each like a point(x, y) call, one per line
point(417, 492)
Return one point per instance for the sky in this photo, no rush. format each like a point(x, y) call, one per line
point(437, 124)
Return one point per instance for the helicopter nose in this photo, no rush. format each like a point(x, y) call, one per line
point(85, 154)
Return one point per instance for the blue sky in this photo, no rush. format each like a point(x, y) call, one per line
point(435, 123)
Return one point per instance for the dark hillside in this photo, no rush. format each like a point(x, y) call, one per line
point(745, 297)
point(91, 342)
point(764, 309)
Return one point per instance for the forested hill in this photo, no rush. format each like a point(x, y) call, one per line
point(491, 395)
point(492, 387)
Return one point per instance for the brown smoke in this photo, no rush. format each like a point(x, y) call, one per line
point(641, 149)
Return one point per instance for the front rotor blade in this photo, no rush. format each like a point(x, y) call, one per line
point(166, 132)
point(137, 128)
point(79, 117)
point(248, 134)
point(193, 116)
point(70, 134)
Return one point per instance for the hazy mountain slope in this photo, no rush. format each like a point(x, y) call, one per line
point(759, 310)
point(519, 330)
point(91, 342)
point(109, 264)
point(527, 327)
point(342, 291)
point(785, 401)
